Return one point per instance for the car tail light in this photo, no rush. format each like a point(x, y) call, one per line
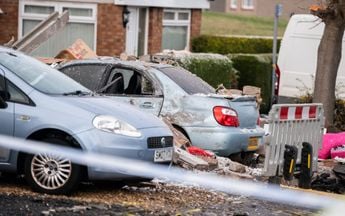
point(226, 116)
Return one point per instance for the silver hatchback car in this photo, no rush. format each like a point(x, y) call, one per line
point(38, 102)
point(214, 122)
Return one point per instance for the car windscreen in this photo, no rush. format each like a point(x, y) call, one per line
point(189, 82)
point(39, 75)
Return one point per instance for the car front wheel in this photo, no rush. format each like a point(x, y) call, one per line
point(51, 174)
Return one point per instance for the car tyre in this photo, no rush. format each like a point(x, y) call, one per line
point(51, 174)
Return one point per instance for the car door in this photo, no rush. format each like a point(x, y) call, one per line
point(134, 87)
point(6, 117)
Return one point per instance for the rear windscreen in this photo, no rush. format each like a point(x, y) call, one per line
point(189, 82)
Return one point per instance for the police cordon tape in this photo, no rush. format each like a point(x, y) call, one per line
point(149, 170)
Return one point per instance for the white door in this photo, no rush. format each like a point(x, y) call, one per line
point(136, 31)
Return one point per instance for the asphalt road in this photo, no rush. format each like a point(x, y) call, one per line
point(16, 198)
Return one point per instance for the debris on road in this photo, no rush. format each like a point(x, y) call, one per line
point(188, 161)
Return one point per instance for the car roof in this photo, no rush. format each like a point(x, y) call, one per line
point(113, 60)
point(7, 49)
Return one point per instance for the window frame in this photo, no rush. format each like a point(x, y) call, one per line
point(134, 70)
point(58, 6)
point(177, 22)
point(233, 6)
point(246, 6)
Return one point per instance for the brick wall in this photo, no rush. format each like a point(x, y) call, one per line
point(111, 35)
point(219, 5)
point(155, 30)
point(8, 20)
point(242, 11)
point(195, 23)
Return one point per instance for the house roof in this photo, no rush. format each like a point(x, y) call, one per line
point(200, 4)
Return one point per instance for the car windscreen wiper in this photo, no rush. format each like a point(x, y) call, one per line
point(77, 92)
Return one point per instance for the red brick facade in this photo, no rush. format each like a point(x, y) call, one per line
point(195, 27)
point(8, 20)
point(155, 30)
point(111, 35)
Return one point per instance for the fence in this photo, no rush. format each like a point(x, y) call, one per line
point(290, 127)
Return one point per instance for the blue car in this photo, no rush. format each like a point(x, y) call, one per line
point(38, 102)
point(223, 124)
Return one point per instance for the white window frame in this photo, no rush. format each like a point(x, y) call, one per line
point(58, 6)
point(177, 22)
point(247, 6)
point(233, 5)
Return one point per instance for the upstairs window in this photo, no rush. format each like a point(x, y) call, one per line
point(176, 29)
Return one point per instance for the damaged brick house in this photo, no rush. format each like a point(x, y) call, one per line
point(263, 8)
point(108, 26)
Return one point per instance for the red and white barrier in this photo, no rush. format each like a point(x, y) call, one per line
point(298, 112)
point(292, 124)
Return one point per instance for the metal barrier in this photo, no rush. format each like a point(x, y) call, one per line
point(291, 125)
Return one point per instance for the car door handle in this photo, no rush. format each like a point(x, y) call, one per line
point(147, 105)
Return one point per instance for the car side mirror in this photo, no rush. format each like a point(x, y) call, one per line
point(4, 95)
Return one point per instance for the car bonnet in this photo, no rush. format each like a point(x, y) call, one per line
point(103, 106)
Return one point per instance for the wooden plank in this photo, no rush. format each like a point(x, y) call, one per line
point(42, 32)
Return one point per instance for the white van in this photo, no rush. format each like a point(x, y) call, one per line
point(298, 58)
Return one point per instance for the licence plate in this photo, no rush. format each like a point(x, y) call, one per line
point(163, 155)
point(253, 143)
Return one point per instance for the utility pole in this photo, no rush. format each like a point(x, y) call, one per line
point(277, 14)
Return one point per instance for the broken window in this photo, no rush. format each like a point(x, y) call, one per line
point(128, 82)
point(89, 75)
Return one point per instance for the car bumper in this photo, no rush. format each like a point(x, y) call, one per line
point(122, 146)
point(225, 141)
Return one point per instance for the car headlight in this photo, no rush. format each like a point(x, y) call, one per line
point(113, 125)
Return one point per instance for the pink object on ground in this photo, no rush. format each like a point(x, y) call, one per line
point(331, 140)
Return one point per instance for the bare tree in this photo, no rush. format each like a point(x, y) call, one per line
point(329, 54)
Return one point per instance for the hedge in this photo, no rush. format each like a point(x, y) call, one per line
point(227, 45)
point(212, 68)
point(255, 70)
